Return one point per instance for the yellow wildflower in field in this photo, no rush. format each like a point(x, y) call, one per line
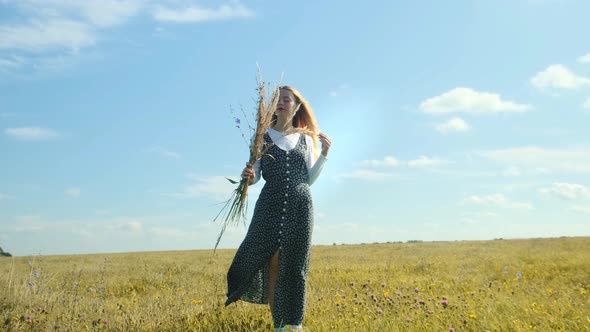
point(513, 308)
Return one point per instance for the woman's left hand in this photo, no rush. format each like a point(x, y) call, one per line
point(326, 143)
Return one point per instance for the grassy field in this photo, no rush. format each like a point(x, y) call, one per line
point(500, 285)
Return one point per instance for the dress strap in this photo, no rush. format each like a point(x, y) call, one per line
point(303, 140)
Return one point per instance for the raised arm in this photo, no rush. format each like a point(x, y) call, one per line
point(314, 166)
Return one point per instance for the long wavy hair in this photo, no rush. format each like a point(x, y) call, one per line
point(304, 119)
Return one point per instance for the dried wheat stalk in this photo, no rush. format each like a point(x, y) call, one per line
point(235, 209)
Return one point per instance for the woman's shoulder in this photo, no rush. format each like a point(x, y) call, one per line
point(308, 140)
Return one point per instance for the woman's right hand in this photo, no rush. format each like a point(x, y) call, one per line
point(248, 173)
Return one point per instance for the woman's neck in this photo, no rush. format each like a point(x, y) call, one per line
point(282, 125)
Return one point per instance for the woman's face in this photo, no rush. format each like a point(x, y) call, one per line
point(286, 104)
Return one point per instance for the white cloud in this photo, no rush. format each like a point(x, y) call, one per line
point(496, 200)
point(512, 171)
point(12, 63)
point(35, 224)
point(584, 58)
point(544, 2)
point(586, 104)
point(196, 14)
point(350, 232)
point(59, 62)
point(558, 77)
point(342, 88)
point(455, 124)
point(566, 159)
point(31, 133)
point(469, 101)
point(49, 63)
point(101, 13)
point(215, 187)
point(105, 12)
point(479, 216)
point(30, 228)
point(28, 218)
point(568, 191)
point(367, 174)
point(131, 226)
point(34, 234)
point(581, 209)
point(424, 161)
point(6, 114)
point(53, 35)
point(5, 197)
point(321, 216)
point(166, 232)
point(47, 36)
point(72, 192)
point(387, 161)
point(164, 152)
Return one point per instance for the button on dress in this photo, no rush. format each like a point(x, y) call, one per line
point(283, 221)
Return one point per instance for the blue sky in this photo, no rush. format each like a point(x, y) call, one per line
point(455, 120)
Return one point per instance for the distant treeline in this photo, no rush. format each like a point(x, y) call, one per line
point(3, 253)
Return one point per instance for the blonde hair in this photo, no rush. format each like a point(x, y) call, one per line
point(304, 120)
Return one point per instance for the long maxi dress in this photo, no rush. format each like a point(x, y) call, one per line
point(283, 221)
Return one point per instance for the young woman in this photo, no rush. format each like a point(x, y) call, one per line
point(272, 262)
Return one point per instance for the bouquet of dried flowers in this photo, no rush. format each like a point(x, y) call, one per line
point(235, 208)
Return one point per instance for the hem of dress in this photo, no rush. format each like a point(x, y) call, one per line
point(239, 297)
point(228, 301)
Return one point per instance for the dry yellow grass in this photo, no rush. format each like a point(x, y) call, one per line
point(467, 286)
point(235, 208)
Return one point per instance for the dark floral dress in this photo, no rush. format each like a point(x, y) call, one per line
point(283, 221)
